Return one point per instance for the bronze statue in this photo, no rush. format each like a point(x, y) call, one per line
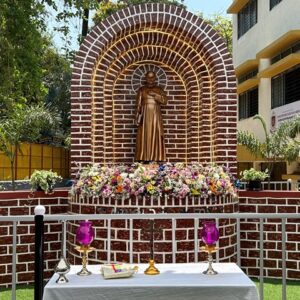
point(150, 145)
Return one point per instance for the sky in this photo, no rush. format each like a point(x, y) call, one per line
point(207, 7)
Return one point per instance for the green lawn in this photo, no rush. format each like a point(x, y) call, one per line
point(272, 291)
point(24, 292)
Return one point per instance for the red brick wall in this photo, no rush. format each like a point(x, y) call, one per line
point(185, 233)
point(124, 130)
point(200, 117)
point(23, 203)
point(270, 202)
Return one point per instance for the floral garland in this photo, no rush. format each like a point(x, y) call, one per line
point(177, 180)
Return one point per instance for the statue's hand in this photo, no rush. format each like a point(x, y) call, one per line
point(138, 119)
point(156, 96)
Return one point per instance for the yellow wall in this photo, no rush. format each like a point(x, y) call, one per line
point(36, 157)
point(243, 155)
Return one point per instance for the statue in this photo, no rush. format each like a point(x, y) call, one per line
point(150, 145)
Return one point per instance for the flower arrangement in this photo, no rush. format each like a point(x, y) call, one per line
point(44, 180)
point(140, 180)
point(254, 175)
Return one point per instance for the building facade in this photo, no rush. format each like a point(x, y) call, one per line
point(266, 55)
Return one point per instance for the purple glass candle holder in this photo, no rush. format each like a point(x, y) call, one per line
point(85, 233)
point(210, 236)
point(209, 233)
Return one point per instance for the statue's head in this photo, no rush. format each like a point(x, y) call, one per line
point(150, 78)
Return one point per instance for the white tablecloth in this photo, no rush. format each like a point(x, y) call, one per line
point(176, 282)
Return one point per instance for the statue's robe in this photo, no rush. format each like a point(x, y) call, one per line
point(150, 144)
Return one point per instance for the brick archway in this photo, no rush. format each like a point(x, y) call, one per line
point(200, 117)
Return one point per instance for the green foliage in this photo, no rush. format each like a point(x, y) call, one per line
point(252, 174)
point(57, 77)
point(44, 179)
point(278, 145)
point(106, 8)
point(24, 124)
point(21, 48)
point(223, 26)
point(32, 71)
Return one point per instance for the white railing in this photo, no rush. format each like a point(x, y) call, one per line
point(274, 185)
point(196, 217)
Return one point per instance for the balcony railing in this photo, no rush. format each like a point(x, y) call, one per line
point(275, 185)
point(196, 217)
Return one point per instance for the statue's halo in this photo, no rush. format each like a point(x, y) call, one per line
point(138, 76)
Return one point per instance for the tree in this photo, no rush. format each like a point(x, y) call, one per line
point(24, 124)
point(21, 48)
point(56, 78)
point(32, 70)
point(71, 9)
point(224, 26)
point(280, 145)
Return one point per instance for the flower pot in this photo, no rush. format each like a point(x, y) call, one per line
point(39, 189)
point(254, 185)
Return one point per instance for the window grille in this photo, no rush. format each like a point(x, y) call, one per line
point(247, 17)
point(273, 3)
point(286, 88)
point(277, 91)
point(247, 76)
point(248, 104)
point(295, 48)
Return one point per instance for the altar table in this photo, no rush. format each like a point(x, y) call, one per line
point(175, 282)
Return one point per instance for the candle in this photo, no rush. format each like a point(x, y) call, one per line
point(85, 233)
point(209, 233)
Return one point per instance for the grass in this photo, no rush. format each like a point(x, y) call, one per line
point(24, 292)
point(272, 290)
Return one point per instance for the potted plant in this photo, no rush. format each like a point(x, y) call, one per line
point(254, 178)
point(44, 180)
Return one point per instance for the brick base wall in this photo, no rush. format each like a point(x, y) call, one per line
point(163, 246)
point(270, 202)
point(23, 203)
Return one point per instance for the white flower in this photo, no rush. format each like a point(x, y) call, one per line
point(216, 176)
point(124, 175)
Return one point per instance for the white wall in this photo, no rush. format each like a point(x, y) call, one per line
point(270, 26)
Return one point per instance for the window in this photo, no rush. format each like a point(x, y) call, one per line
point(247, 17)
point(247, 76)
point(274, 3)
point(295, 48)
point(248, 104)
point(286, 88)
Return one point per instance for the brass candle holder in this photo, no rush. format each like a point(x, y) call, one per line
point(210, 249)
point(84, 250)
point(151, 270)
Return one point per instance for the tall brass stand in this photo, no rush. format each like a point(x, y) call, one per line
point(84, 250)
point(210, 250)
